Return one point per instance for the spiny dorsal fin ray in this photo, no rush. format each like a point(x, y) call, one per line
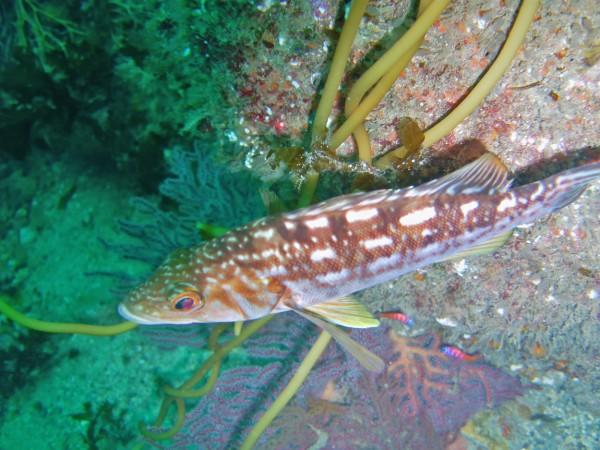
point(366, 358)
point(482, 248)
point(485, 175)
point(345, 311)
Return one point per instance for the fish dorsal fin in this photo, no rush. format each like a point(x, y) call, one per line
point(482, 248)
point(485, 175)
point(365, 357)
point(345, 311)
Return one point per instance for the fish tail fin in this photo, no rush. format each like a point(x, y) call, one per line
point(567, 186)
point(557, 191)
point(568, 196)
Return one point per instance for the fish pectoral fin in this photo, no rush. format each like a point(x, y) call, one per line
point(482, 248)
point(345, 311)
point(486, 175)
point(365, 357)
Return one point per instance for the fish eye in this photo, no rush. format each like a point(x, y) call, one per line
point(187, 301)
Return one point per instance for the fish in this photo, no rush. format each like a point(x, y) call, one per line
point(457, 353)
point(313, 259)
point(398, 316)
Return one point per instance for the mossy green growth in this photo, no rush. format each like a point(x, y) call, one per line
point(119, 81)
point(180, 75)
point(103, 426)
point(45, 28)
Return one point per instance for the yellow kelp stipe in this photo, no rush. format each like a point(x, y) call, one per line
point(336, 71)
point(213, 365)
point(60, 327)
point(496, 70)
point(381, 76)
point(286, 395)
point(312, 178)
point(402, 46)
point(309, 186)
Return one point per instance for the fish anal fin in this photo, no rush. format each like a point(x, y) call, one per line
point(369, 360)
point(485, 175)
point(482, 248)
point(345, 311)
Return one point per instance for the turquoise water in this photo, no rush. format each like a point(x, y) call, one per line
point(124, 126)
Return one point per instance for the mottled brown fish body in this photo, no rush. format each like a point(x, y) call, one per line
point(340, 246)
point(331, 254)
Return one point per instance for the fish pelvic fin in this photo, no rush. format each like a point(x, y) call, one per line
point(345, 311)
point(366, 358)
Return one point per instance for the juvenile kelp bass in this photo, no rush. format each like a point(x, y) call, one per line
point(312, 259)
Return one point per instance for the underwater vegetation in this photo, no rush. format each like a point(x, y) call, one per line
point(113, 81)
point(245, 371)
point(420, 401)
point(198, 187)
point(103, 427)
point(422, 395)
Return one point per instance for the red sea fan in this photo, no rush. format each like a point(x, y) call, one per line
point(419, 402)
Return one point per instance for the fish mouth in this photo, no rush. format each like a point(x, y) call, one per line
point(128, 315)
point(149, 320)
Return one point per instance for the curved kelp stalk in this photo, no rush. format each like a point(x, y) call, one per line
point(379, 79)
point(60, 327)
point(483, 87)
point(187, 391)
point(362, 98)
